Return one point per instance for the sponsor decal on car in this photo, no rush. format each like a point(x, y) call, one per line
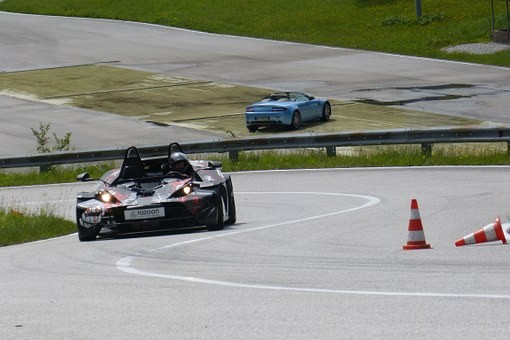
point(142, 214)
point(201, 193)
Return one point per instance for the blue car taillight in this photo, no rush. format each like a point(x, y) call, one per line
point(278, 109)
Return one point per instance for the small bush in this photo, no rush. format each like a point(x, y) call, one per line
point(395, 20)
point(430, 18)
point(41, 135)
point(423, 20)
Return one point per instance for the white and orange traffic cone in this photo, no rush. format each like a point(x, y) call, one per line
point(416, 238)
point(491, 232)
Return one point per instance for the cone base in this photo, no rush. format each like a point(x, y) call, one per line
point(416, 246)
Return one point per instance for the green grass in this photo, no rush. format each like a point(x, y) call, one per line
point(379, 156)
point(19, 227)
point(378, 25)
point(366, 156)
point(57, 174)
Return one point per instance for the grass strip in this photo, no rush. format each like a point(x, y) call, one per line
point(57, 174)
point(365, 156)
point(18, 227)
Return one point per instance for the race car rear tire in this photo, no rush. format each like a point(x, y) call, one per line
point(219, 220)
point(231, 203)
point(252, 128)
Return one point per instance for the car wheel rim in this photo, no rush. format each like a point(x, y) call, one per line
point(327, 111)
point(296, 120)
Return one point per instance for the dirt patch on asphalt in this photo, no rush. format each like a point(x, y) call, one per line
point(167, 100)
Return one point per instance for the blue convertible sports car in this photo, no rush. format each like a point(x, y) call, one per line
point(287, 109)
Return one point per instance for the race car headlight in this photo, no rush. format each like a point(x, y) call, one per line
point(106, 197)
point(184, 191)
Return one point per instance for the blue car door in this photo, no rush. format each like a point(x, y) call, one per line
point(307, 108)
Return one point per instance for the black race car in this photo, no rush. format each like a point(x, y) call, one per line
point(155, 194)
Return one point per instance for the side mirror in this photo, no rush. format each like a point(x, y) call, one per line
point(83, 177)
point(215, 164)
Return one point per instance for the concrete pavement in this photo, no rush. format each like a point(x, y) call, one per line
point(33, 42)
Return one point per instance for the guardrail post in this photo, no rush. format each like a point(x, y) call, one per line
point(331, 151)
point(233, 155)
point(426, 149)
point(44, 168)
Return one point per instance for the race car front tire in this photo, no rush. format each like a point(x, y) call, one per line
point(85, 234)
point(219, 220)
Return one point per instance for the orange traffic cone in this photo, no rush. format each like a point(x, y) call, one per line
point(491, 232)
point(416, 238)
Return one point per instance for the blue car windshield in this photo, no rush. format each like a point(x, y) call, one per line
point(286, 97)
point(298, 97)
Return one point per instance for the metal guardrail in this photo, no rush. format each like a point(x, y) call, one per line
point(330, 141)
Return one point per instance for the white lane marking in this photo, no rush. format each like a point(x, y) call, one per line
point(124, 264)
point(371, 201)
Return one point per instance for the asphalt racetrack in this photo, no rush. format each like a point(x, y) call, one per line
point(315, 254)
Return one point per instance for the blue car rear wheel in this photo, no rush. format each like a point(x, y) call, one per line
point(296, 120)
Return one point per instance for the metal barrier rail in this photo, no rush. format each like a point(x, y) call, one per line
point(330, 141)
